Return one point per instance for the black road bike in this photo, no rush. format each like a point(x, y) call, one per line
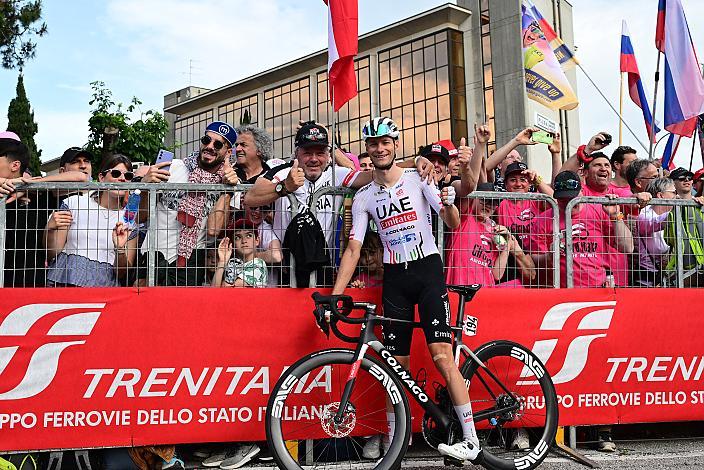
point(323, 405)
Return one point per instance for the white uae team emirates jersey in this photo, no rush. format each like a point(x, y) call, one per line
point(402, 215)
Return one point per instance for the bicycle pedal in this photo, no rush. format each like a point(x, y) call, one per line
point(453, 461)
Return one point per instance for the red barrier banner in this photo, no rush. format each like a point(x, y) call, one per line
point(115, 367)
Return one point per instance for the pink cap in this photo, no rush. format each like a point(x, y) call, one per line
point(9, 135)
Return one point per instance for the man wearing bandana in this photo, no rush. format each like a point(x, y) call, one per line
point(181, 216)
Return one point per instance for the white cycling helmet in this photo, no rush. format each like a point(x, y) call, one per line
point(380, 127)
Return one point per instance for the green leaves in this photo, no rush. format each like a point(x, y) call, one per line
point(20, 120)
point(18, 29)
point(140, 140)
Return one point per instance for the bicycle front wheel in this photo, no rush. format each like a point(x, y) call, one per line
point(301, 425)
point(514, 402)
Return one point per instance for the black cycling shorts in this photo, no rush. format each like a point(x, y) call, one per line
point(406, 285)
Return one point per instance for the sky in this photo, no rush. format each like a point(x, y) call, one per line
point(145, 48)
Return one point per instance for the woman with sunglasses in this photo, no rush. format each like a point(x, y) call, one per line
point(87, 239)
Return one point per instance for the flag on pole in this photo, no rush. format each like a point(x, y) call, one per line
point(546, 82)
point(342, 47)
point(563, 53)
point(635, 85)
point(684, 85)
point(700, 131)
point(668, 156)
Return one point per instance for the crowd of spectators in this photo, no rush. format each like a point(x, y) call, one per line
point(289, 226)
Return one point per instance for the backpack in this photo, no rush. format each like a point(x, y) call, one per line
point(305, 241)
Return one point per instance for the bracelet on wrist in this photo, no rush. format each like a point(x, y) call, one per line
point(619, 216)
point(538, 180)
point(583, 155)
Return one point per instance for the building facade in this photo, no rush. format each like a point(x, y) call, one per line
point(435, 74)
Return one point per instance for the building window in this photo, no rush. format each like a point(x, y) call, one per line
point(284, 106)
point(488, 76)
point(188, 131)
point(351, 117)
point(415, 91)
point(234, 113)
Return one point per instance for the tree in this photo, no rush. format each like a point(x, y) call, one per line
point(20, 120)
point(18, 29)
point(111, 129)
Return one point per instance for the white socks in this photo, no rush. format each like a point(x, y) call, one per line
point(464, 413)
point(390, 430)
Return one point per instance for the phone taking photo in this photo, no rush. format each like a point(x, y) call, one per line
point(542, 137)
point(164, 156)
point(605, 141)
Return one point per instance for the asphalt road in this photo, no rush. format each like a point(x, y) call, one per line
point(654, 454)
point(641, 455)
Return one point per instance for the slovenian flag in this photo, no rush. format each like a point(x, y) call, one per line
point(342, 47)
point(684, 85)
point(563, 53)
point(635, 85)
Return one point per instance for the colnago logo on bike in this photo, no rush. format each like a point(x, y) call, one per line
point(404, 376)
point(44, 362)
point(379, 374)
point(575, 361)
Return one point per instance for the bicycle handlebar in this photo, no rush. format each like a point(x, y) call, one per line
point(331, 308)
point(340, 306)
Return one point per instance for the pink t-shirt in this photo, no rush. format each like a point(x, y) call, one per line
point(517, 217)
point(589, 228)
point(370, 281)
point(472, 254)
point(620, 191)
point(617, 260)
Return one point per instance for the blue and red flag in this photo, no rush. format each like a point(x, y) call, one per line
point(635, 85)
point(684, 85)
point(668, 156)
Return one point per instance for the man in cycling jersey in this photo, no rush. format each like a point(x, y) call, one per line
point(400, 204)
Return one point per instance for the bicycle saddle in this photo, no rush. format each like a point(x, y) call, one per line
point(467, 291)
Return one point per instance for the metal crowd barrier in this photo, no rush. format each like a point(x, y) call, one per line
point(529, 215)
point(685, 273)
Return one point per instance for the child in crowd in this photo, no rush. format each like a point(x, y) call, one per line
point(371, 257)
point(245, 270)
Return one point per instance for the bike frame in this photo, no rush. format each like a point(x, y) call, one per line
point(368, 339)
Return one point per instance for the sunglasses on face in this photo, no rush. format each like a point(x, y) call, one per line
point(217, 144)
point(566, 185)
point(115, 173)
point(684, 178)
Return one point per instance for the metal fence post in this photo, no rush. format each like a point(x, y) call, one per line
point(555, 244)
point(569, 249)
point(3, 228)
point(679, 246)
point(151, 245)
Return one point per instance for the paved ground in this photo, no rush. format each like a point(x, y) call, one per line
point(656, 454)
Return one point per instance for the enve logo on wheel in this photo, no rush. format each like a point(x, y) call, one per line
point(44, 362)
point(578, 349)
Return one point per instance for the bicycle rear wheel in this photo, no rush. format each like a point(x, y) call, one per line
point(513, 392)
point(300, 428)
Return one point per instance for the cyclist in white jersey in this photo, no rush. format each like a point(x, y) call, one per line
point(400, 204)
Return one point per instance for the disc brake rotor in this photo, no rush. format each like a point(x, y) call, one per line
point(344, 427)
